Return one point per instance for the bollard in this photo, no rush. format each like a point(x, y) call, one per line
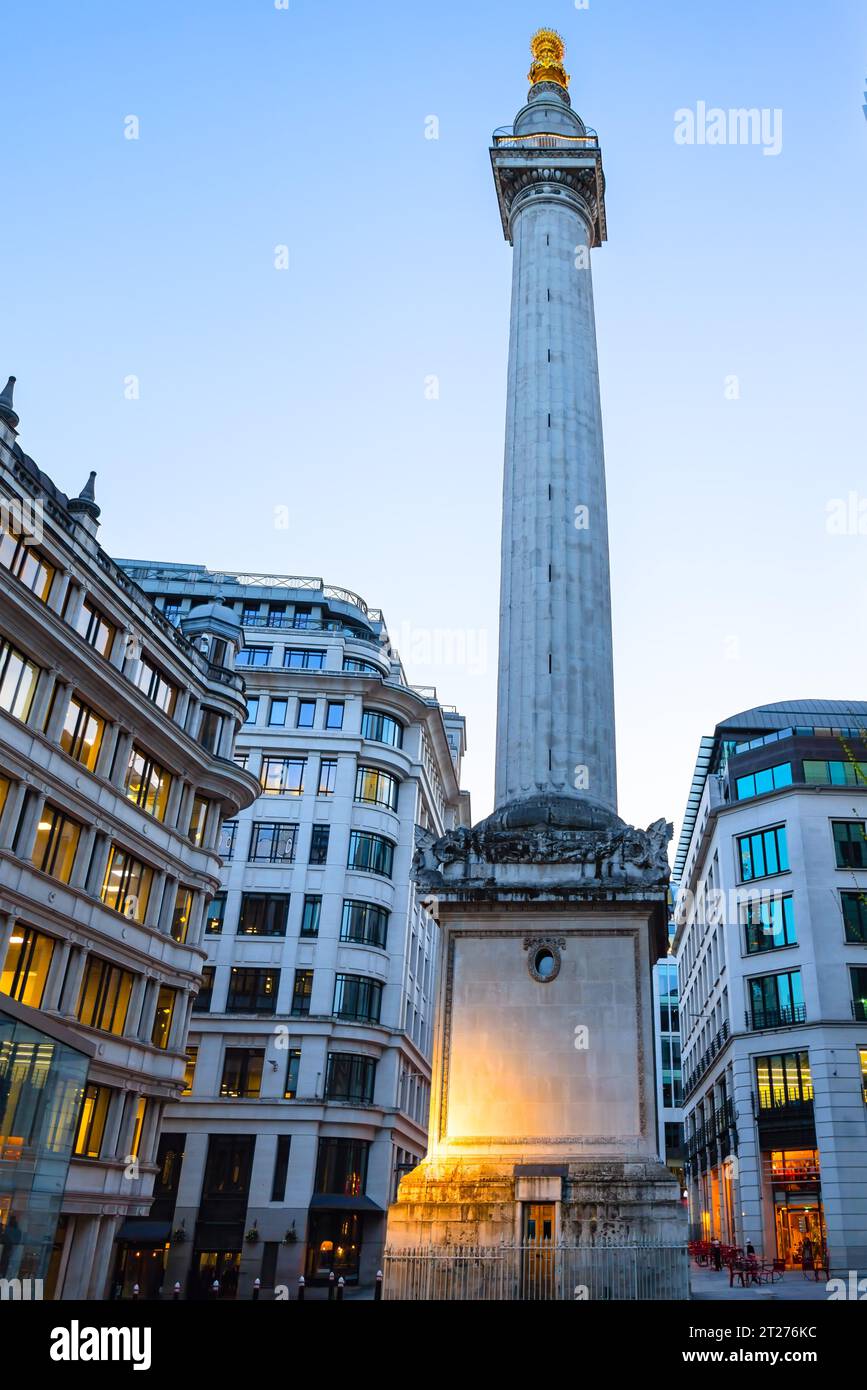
point(331, 1286)
point(135, 1290)
point(377, 1293)
point(215, 1289)
point(257, 1284)
point(301, 1288)
point(176, 1293)
point(340, 1289)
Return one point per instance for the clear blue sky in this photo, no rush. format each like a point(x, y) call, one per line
point(305, 388)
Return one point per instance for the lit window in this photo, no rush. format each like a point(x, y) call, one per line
point(18, 680)
point(215, 915)
point(82, 733)
point(25, 970)
point(242, 1073)
point(94, 627)
point(155, 686)
point(147, 783)
point(138, 1126)
point(105, 996)
point(23, 560)
point(377, 788)
point(190, 1071)
point(56, 844)
point(91, 1123)
point(263, 914)
point(126, 887)
point(181, 913)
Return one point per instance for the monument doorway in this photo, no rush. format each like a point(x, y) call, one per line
point(538, 1273)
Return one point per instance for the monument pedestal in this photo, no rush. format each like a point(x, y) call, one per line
point(543, 1129)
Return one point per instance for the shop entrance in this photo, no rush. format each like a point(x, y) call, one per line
point(798, 1215)
point(224, 1265)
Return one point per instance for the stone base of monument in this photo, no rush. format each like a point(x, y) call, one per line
point(464, 1229)
point(543, 1171)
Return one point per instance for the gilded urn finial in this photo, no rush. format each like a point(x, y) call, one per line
point(548, 50)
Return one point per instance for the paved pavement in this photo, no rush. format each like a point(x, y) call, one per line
point(792, 1288)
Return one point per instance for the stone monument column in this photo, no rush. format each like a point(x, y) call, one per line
point(555, 715)
point(553, 911)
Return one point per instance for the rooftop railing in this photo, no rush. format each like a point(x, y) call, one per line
point(504, 136)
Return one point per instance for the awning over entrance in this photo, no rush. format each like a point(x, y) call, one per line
point(331, 1201)
point(144, 1231)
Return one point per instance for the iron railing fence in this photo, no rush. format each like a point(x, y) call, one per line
point(536, 1272)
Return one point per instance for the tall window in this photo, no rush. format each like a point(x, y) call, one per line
point(372, 853)
point(334, 714)
point(855, 916)
point(850, 844)
point(763, 853)
point(858, 976)
point(181, 913)
point(141, 1110)
point(127, 884)
point(306, 714)
point(263, 914)
point(242, 1072)
point(273, 842)
point(163, 1016)
point(770, 779)
point(357, 997)
point(202, 1001)
point(252, 991)
point(381, 728)
point(105, 996)
point(277, 713)
point(350, 1076)
point(783, 1079)
point(376, 788)
point(24, 561)
point(82, 733)
point(283, 776)
point(297, 659)
point(156, 687)
point(319, 838)
point(365, 923)
point(228, 834)
point(327, 776)
point(301, 993)
point(769, 923)
point(290, 1090)
point(210, 730)
point(312, 912)
point(281, 1168)
point(341, 1167)
point(190, 1071)
point(25, 969)
point(777, 1000)
point(198, 827)
point(56, 843)
point(147, 783)
point(94, 627)
point(215, 914)
point(91, 1123)
point(252, 709)
point(228, 1166)
point(18, 680)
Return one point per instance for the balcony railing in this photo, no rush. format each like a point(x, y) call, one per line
point(691, 1081)
point(504, 136)
point(781, 1017)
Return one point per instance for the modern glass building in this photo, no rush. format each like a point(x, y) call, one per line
point(43, 1076)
